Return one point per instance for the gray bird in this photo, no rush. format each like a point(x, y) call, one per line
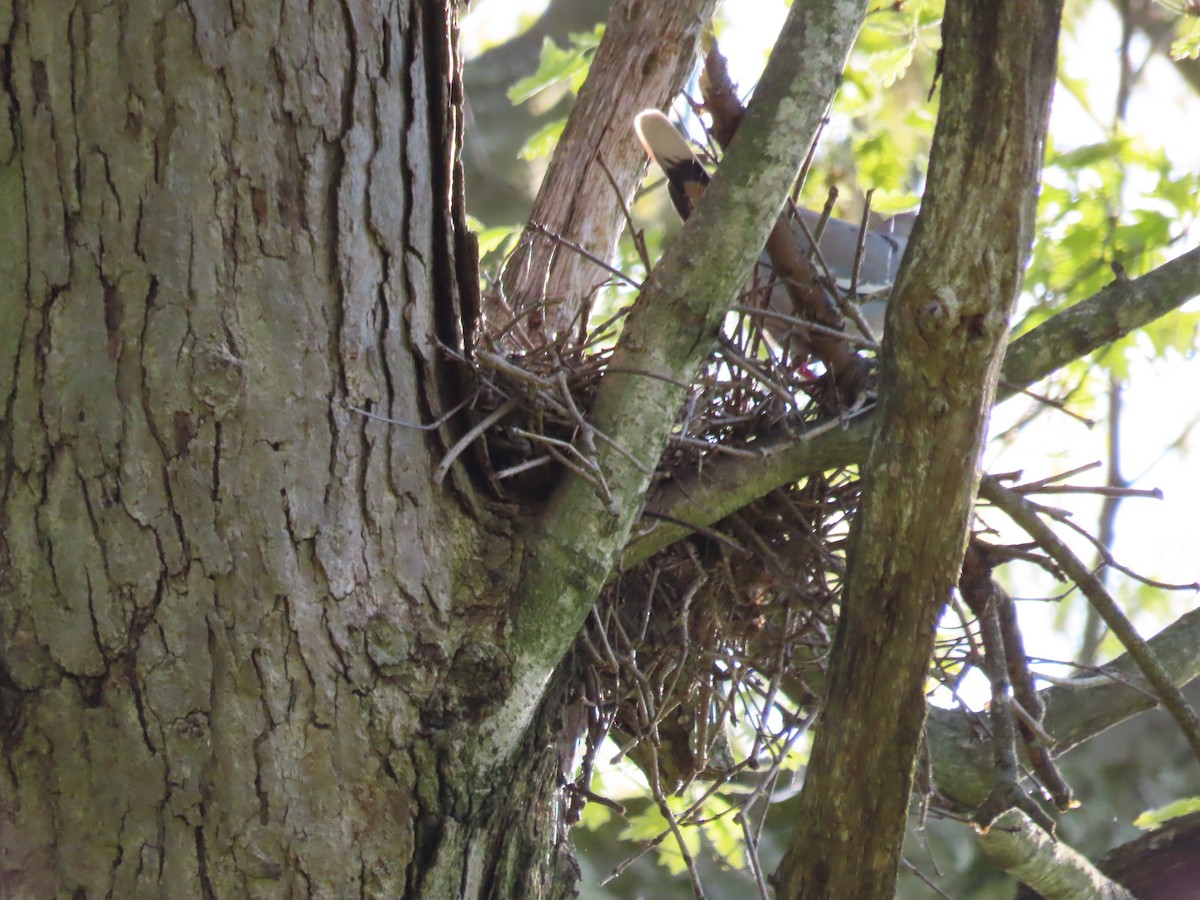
point(883, 248)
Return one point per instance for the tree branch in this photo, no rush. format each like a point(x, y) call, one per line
point(728, 484)
point(962, 765)
point(573, 546)
point(945, 339)
point(642, 61)
point(1023, 513)
point(1053, 869)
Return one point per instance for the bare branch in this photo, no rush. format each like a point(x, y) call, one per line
point(1052, 868)
point(1023, 513)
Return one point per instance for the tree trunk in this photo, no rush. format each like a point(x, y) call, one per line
point(946, 333)
point(230, 664)
point(249, 646)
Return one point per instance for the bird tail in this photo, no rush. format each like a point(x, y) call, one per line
point(686, 177)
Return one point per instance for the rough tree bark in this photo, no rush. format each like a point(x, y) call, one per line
point(214, 572)
point(241, 629)
point(246, 646)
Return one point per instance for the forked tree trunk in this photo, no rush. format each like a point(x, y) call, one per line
point(228, 664)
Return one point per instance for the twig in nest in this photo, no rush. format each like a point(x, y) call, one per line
point(638, 238)
point(849, 307)
point(465, 441)
point(799, 322)
point(732, 354)
point(586, 254)
point(517, 469)
point(1098, 491)
point(1104, 676)
point(588, 432)
point(587, 468)
point(419, 426)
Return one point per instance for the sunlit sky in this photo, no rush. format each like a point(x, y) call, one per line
point(1157, 538)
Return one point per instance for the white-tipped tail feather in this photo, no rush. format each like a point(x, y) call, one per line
point(883, 248)
point(662, 141)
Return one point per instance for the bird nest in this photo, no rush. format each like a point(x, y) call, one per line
point(704, 661)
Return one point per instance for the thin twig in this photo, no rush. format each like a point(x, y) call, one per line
point(419, 426)
point(1034, 486)
point(465, 441)
point(1169, 695)
point(591, 257)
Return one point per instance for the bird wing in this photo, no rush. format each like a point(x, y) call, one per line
point(883, 248)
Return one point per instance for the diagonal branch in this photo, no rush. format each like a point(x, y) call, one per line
point(943, 345)
point(1057, 872)
point(572, 547)
point(1122, 307)
point(729, 484)
point(963, 765)
point(1025, 515)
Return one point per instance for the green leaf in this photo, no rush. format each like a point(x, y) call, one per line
point(594, 816)
point(724, 833)
point(1178, 331)
point(587, 40)
point(888, 65)
point(1090, 154)
point(1181, 191)
point(555, 66)
point(649, 825)
point(1078, 88)
point(1187, 45)
point(1154, 818)
point(493, 238)
point(543, 141)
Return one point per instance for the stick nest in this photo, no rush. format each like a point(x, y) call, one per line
point(728, 627)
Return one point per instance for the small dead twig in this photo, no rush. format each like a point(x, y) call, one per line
point(1024, 515)
point(467, 439)
point(586, 254)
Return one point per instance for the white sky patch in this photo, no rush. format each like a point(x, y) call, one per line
point(492, 22)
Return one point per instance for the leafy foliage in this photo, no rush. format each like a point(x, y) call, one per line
point(1154, 818)
point(558, 68)
point(1187, 44)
